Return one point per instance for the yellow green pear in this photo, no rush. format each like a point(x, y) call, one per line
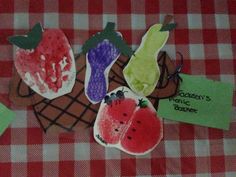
point(142, 72)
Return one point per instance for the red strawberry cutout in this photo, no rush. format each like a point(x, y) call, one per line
point(45, 61)
point(128, 122)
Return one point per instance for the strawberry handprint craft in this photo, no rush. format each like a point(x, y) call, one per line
point(128, 122)
point(45, 61)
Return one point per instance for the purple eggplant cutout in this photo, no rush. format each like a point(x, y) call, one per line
point(102, 50)
point(99, 62)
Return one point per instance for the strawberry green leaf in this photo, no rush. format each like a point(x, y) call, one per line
point(168, 27)
point(36, 31)
point(30, 41)
point(22, 42)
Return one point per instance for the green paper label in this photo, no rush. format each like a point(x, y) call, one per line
point(200, 101)
point(6, 117)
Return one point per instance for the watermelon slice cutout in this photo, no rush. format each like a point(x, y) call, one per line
point(128, 122)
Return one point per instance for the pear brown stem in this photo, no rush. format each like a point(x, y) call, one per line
point(167, 19)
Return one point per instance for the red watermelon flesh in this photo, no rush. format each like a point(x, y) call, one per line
point(113, 121)
point(127, 126)
point(143, 132)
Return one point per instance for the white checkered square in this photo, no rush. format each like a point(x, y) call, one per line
point(51, 20)
point(112, 153)
point(18, 153)
point(229, 147)
point(50, 152)
point(109, 18)
point(21, 21)
point(20, 120)
point(230, 174)
point(228, 79)
point(172, 148)
point(203, 174)
point(77, 48)
point(225, 51)
point(175, 175)
point(138, 22)
point(194, 21)
point(170, 49)
point(134, 47)
point(222, 21)
point(81, 21)
point(197, 51)
point(82, 151)
point(201, 148)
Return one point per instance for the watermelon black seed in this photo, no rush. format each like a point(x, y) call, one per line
point(129, 138)
point(116, 130)
point(121, 122)
point(138, 122)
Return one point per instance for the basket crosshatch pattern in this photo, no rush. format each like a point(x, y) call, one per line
point(74, 108)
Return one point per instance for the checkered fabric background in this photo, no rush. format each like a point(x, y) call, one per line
point(206, 36)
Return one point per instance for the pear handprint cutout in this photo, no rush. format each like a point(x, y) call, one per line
point(142, 72)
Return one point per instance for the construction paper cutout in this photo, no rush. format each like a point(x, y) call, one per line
point(200, 101)
point(99, 62)
point(49, 69)
point(70, 112)
point(142, 72)
point(48, 112)
point(110, 34)
point(168, 83)
point(30, 41)
point(20, 93)
point(6, 117)
point(102, 51)
point(167, 19)
point(168, 27)
point(128, 122)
